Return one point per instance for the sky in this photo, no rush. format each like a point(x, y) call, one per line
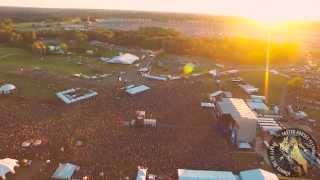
point(267, 10)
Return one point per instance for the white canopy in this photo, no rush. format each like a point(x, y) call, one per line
point(124, 59)
point(217, 93)
point(257, 174)
point(7, 165)
point(185, 174)
point(249, 89)
point(65, 171)
point(7, 87)
point(142, 174)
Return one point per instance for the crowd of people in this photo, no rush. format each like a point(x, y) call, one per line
point(185, 136)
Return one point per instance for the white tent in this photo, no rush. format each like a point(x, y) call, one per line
point(7, 165)
point(257, 174)
point(243, 116)
point(7, 88)
point(65, 171)
point(137, 89)
point(142, 174)
point(149, 76)
point(124, 59)
point(217, 93)
point(249, 89)
point(185, 174)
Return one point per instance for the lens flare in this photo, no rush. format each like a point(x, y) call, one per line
point(267, 71)
point(188, 68)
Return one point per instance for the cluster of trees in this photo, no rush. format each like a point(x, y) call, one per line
point(9, 35)
point(227, 49)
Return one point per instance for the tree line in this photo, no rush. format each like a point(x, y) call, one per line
point(236, 50)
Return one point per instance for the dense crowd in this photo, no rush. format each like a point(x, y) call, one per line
point(184, 138)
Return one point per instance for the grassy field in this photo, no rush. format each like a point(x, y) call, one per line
point(170, 64)
point(13, 60)
point(257, 79)
point(276, 84)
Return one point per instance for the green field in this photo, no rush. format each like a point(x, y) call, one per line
point(276, 84)
point(256, 78)
point(13, 60)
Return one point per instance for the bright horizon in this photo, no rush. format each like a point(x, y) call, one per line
point(267, 10)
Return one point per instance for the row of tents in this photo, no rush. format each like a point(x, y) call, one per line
point(254, 174)
point(185, 174)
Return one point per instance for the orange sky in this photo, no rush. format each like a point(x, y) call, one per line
point(258, 9)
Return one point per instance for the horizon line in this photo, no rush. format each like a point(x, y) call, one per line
point(156, 11)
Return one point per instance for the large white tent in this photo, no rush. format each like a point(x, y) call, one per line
point(124, 59)
point(7, 88)
point(185, 174)
point(257, 174)
point(7, 165)
point(142, 174)
point(243, 116)
point(249, 89)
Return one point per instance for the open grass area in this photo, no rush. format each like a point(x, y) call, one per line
point(256, 78)
point(170, 64)
point(16, 63)
point(28, 87)
point(276, 84)
point(12, 59)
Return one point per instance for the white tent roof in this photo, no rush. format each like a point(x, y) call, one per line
point(244, 117)
point(237, 108)
point(137, 89)
point(249, 88)
point(185, 174)
point(65, 171)
point(7, 87)
point(260, 106)
point(257, 174)
point(142, 174)
point(7, 165)
point(217, 93)
point(124, 59)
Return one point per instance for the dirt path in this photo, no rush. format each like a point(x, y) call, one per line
point(8, 55)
